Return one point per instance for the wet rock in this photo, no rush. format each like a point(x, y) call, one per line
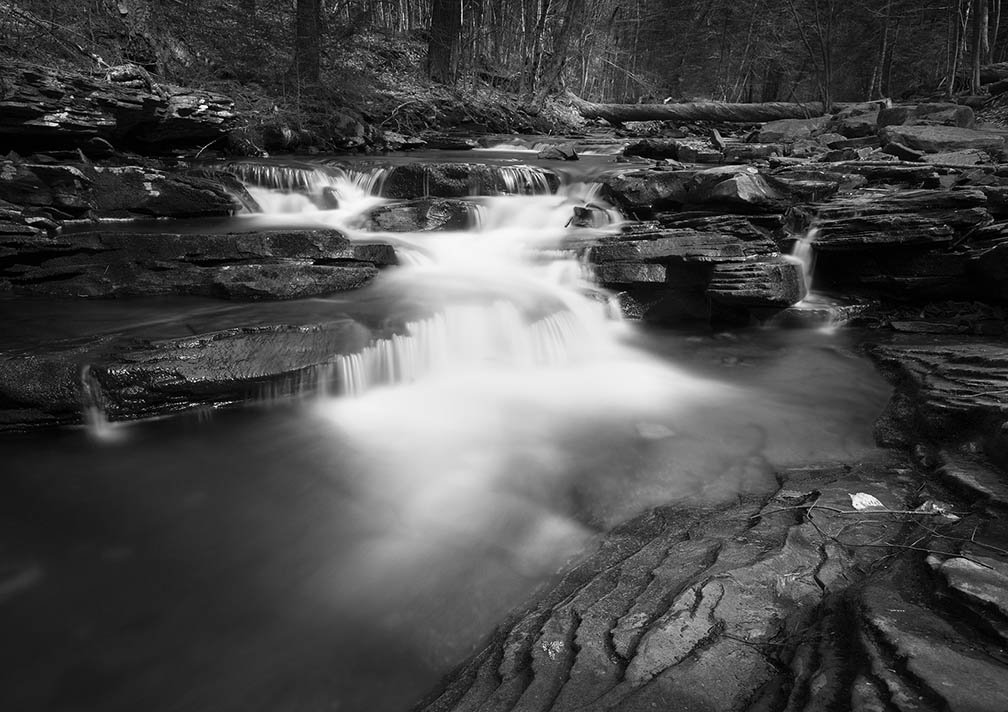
point(827, 180)
point(982, 580)
point(677, 599)
point(682, 244)
point(957, 390)
point(445, 142)
point(654, 148)
point(265, 265)
point(973, 479)
point(739, 186)
point(559, 152)
point(773, 284)
point(132, 379)
point(87, 191)
point(889, 218)
point(422, 215)
point(941, 139)
point(934, 658)
point(131, 191)
point(50, 107)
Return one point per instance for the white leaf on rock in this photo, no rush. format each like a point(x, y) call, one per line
point(863, 500)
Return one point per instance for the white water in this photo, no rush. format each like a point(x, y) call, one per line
point(804, 252)
point(461, 421)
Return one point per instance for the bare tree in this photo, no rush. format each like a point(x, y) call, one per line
point(307, 41)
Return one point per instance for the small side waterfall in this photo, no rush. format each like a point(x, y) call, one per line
point(96, 420)
point(804, 252)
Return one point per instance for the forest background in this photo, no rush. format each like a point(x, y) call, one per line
point(497, 65)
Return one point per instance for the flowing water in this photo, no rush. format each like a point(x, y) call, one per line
point(344, 549)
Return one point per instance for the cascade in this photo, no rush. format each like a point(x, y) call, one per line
point(804, 252)
point(96, 421)
point(508, 294)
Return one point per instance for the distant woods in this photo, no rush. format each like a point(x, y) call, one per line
point(602, 50)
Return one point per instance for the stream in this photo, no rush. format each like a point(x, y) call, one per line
point(347, 547)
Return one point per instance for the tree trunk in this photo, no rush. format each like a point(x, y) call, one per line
point(979, 42)
point(308, 41)
point(696, 111)
point(445, 38)
point(994, 28)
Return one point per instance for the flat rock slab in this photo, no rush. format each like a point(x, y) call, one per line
point(883, 219)
point(737, 186)
point(262, 265)
point(88, 191)
point(133, 378)
point(681, 244)
point(941, 139)
point(951, 392)
point(696, 605)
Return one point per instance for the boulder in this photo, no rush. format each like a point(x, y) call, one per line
point(790, 130)
point(739, 186)
point(558, 152)
point(856, 121)
point(940, 139)
point(654, 148)
point(422, 215)
point(773, 283)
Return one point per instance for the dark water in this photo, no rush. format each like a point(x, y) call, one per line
point(345, 553)
point(261, 560)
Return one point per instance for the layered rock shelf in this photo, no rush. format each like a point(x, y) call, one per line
point(42, 107)
point(794, 600)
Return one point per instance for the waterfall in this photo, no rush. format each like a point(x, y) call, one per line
point(96, 420)
point(804, 252)
point(462, 337)
point(281, 189)
point(506, 298)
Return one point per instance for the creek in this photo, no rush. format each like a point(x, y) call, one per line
point(344, 543)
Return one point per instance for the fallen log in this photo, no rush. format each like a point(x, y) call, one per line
point(696, 111)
